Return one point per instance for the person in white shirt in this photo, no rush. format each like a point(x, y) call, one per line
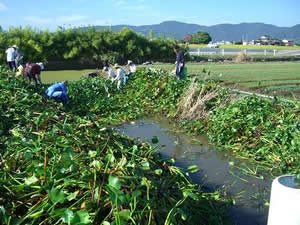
point(132, 67)
point(11, 55)
point(120, 78)
point(110, 72)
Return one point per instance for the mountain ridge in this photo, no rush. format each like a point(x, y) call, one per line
point(218, 32)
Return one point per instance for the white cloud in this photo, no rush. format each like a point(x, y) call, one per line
point(2, 6)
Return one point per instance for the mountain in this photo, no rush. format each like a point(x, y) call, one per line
point(226, 32)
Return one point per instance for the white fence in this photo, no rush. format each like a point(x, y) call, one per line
point(232, 51)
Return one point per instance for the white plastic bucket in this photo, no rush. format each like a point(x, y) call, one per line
point(284, 202)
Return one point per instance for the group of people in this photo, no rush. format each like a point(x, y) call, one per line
point(30, 71)
point(120, 76)
point(58, 91)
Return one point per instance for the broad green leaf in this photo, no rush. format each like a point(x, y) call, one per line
point(114, 182)
point(31, 180)
point(56, 195)
point(81, 217)
point(68, 216)
point(145, 165)
point(158, 171)
point(125, 214)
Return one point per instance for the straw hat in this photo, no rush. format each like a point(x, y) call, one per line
point(15, 46)
point(116, 66)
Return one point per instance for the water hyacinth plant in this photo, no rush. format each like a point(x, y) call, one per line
point(64, 165)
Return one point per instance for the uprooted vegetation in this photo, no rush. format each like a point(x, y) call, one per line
point(63, 164)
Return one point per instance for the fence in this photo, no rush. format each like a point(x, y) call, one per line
point(232, 51)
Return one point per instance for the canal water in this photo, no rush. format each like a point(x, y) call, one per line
point(218, 170)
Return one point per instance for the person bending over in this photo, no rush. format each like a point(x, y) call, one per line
point(58, 92)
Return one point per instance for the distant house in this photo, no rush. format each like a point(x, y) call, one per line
point(288, 42)
point(268, 40)
point(188, 38)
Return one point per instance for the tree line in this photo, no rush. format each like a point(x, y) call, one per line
point(89, 45)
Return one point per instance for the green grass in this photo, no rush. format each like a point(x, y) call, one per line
point(249, 46)
point(60, 75)
point(247, 76)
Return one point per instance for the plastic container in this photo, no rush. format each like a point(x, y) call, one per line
point(285, 202)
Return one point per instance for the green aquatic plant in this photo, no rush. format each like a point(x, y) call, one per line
point(64, 164)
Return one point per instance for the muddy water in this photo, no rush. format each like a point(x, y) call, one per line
point(217, 169)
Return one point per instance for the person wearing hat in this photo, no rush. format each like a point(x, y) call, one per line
point(110, 72)
point(33, 72)
point(11, 55)
point(132, 67)
point(58, 91)
point(120, 78)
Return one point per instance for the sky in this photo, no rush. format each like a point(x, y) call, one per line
point(50, 14)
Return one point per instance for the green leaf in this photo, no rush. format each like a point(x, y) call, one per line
point(105, 223)
point(158, 172)
point(92, 154)
point(31, 180)
point(81, 217)
point(193, 169)
point(114, 182)
point(155, 140)
point(145, 165)
point(68, 216)
point(72, 196)
point(56, 196)
point(125, 214)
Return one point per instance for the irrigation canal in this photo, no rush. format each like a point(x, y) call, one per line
point(218, 170)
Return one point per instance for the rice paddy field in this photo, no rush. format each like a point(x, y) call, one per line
point(279, 78)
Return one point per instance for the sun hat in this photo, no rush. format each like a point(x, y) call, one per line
point(41, 65)
point(129, 62)
point(116, 66)
point(15, 46)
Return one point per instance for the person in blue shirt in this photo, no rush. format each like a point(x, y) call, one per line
point(58, 91)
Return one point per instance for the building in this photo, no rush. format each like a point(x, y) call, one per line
point(288, 42)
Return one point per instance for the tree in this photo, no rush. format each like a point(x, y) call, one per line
point(201, 38)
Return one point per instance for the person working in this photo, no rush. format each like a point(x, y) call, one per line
point(33, 72)
point(11, 55)
point(110, 72)
point(179, 62)
point(132, 67)
point(58, 92)
point(20, 71)
point(120, 78)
